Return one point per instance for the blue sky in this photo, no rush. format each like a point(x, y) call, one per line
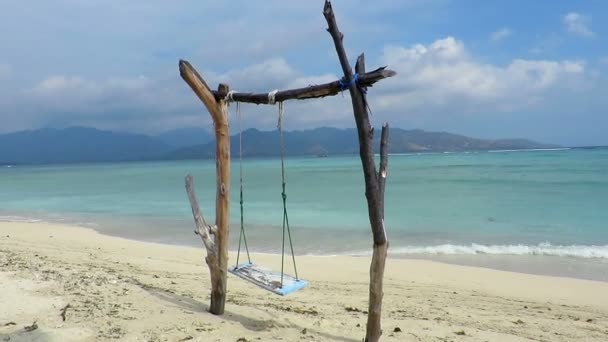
point(489, 69)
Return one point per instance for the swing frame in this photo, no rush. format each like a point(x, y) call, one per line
point(215, 237)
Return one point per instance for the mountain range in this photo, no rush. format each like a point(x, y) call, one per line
point(81, 144)
point(77, 145)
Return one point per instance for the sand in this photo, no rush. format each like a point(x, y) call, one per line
point(119, 289)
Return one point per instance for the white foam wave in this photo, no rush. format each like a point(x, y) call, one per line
point(532, 150)
point(20, 219)
point(577, 251)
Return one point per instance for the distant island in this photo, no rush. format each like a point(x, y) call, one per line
point(81, 144)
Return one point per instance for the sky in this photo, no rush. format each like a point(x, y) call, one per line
point(487, 69)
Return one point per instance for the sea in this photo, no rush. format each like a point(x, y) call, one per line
point(533, 211)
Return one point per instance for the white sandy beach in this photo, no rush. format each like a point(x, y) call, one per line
point(119, 289)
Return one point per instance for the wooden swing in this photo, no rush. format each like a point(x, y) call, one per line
point(273, 281)
point(215, 237)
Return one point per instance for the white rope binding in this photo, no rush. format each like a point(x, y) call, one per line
point(229, 96)
point(225, 110)
point(271, 96)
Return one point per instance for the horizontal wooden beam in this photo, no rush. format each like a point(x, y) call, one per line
point(314, 91)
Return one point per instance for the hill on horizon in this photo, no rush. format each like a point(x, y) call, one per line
point(331, 141)
point(183, 137)
point(82, 144)
point(77, 145)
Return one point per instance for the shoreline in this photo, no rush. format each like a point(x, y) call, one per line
point(587, 267)
point(120, 288)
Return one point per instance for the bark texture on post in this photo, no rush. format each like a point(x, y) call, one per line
point(371, 176)
point(383, 172)
point(217, 247)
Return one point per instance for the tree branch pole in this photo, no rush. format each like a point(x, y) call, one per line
point(314, 91)
point(310, 92)
point(217, 255)
point(372, 188)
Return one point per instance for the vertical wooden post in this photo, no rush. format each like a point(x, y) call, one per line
point(376, 270)
point(373, 191)
point(217, 246)
point(222, 205)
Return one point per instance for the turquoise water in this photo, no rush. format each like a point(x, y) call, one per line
point(504, 203)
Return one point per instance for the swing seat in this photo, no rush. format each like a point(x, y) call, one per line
point(268, 279)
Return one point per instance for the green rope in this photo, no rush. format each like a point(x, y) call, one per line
point(242, 235)
point(284, 196)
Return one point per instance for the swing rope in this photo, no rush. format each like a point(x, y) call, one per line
point(242, 236)
point(284, 196)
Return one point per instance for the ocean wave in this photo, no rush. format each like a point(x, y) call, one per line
point(411, 154)
point(577, 251)
point(20, 219)
point(532, 150)
point(50, 220)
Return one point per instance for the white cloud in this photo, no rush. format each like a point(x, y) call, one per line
point(438, 79)
point(306, 81)
point(144, 104)
point(578, 24)
point(58, 83)
point(443, 77)
point(135, 103)
point(76, 93)
point(500, 34)
point(270, 73)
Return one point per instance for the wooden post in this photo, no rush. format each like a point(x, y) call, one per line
point(373, 192)
point(376, 271)
point(214, 238)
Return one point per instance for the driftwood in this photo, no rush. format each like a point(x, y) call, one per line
point(374, 192)
point(63, 311)
point(32, 327)
point(217, 247)
point(310, 92)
